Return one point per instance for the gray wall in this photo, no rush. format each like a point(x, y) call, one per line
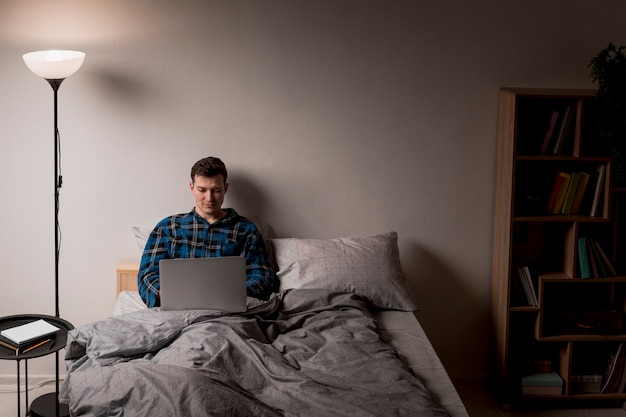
point(334, 117)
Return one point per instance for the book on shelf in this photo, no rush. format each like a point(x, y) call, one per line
point(615, 371)
point(522, 280)
point(605, 259)
point(602, 271)
point(518, 295)
point(586, 383)
point(550, 131)
point(29, 332)
point(585, 204)
point(548, 383)
point(593, 261)
point(560, 192)
point(525, 278)
point(591, 255)
point(597, 190)
point(531, 284)
point(580, 193)
point(537, 365)
point(555, 190)
point(570, 193)
point(622, 383)
point(583, 258)
point(564, 130)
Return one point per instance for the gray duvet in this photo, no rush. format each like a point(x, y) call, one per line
point(302, 353)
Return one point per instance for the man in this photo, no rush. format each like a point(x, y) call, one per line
point(208, 230)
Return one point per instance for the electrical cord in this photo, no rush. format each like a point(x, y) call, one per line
point(38, 385)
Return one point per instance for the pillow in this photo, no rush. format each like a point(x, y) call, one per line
point(367, 265)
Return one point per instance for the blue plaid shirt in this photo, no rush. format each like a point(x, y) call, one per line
point(189, 235)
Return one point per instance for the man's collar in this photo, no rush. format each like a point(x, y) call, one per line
point(229, 214)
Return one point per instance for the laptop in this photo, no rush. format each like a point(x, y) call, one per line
point(217, 283)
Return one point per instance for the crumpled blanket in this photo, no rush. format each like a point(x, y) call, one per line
point(302, 353)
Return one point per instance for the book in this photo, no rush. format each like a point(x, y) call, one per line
point(602, 271)
point(571, 193)
point(555, 190)
point(518, 295)
point(560, 196)
point(533, 293)
point(597, 191)
point(583, 258)
point(585, 205)
point(527, 292)
point(541, 390)
point(550, 131)
point(549, 383)
point(615, 370)
point(564, 129)
point(580, 193)
point(537, 365)
point(26, 347)
point(622, 382)
point(29, 332)
point(605, 260)
point(591, 255)
point(586, 384)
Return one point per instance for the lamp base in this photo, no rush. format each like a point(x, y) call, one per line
point(45, 406)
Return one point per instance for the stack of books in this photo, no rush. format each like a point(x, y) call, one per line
point(558, 131)
point(548, 383)
point(592, 260)
point(26, 337)
point(586, 383)
point(525, 286)
point(577, 193)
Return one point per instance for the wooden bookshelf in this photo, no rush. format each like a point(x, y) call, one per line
point(578, 322)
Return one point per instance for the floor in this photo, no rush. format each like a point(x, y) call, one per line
point(8, 399)
point(480, 403)
point(476, 397)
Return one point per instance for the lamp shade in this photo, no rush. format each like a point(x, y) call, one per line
point(54, 64)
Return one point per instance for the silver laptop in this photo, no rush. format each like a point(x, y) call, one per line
point(217, 283)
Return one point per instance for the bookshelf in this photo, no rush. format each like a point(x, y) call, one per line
point(576, 325)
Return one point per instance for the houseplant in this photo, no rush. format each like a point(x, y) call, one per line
point(608, 71)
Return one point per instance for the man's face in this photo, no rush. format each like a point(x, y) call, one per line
point(209, 193)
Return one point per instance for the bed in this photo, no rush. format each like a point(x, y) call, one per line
point(340, 338)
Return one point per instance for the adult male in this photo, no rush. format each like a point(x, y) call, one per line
point(208, 230)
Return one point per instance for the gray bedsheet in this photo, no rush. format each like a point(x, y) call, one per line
point(303, 353)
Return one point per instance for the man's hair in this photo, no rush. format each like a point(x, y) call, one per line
point(209, 167)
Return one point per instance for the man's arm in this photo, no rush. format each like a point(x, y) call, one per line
point(261, 281)
point(148, 278)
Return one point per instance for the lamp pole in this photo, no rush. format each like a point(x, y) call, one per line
point(55, 83)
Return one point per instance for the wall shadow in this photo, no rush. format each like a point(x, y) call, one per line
point(454, 316)
point(247, 197)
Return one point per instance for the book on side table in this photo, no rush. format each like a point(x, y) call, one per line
point(26, 337)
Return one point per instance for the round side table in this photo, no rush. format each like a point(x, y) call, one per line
point(48, 404)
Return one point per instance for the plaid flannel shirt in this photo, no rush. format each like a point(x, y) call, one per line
point(188, 235)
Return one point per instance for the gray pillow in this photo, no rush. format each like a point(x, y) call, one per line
point(366, 265)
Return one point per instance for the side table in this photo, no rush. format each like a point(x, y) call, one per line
point(41, 406)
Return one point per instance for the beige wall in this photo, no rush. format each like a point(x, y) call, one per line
point(334, 117)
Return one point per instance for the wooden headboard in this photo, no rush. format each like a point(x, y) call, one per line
point(127, 276)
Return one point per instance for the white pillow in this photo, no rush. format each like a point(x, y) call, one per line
point(141, 236)
point(367, 265)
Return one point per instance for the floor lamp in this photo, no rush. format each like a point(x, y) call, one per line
point(54, 66)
